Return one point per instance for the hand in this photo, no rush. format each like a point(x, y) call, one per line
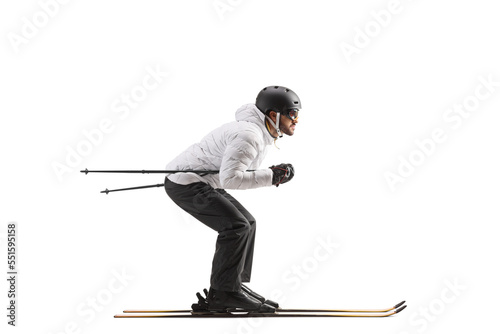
point(282, 173)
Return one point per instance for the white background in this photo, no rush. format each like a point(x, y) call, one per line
point(360, 114)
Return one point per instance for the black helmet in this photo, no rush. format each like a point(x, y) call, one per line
point(277, 98)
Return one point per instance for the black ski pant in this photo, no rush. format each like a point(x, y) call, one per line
point(232, 262)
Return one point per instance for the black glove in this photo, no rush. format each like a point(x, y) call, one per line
point(282, 173)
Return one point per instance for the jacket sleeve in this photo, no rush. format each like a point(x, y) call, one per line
point(240, 153)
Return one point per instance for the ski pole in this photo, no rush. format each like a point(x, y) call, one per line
point(107, 191)
point(86, 171)
point(132, 188)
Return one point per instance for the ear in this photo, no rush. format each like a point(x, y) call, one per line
point(273, 115)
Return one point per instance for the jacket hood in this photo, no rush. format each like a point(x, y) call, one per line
point(250, 113)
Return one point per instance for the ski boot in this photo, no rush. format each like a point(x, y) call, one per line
point(228, 301)
point(259, 297)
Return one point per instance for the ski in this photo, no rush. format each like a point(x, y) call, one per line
point(395, 307)
point(280, 310)
point(260, 315)
point(357, 313)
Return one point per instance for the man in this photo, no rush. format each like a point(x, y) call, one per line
point(236, 150)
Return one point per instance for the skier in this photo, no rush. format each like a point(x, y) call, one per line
point(236, 149)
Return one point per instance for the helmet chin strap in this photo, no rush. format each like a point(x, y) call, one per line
point(277, 125)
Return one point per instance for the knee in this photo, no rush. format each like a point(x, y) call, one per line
point(243, 226)
point(250, 226)
point(253, 223)
point(251, 220)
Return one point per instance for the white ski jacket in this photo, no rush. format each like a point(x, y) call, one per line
point(232, 149)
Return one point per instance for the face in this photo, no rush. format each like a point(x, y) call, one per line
point(287, 126)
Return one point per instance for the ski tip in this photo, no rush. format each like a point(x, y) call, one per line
point(400, 309)
point(398, 305)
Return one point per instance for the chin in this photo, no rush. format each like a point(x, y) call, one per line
point(288, 132)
